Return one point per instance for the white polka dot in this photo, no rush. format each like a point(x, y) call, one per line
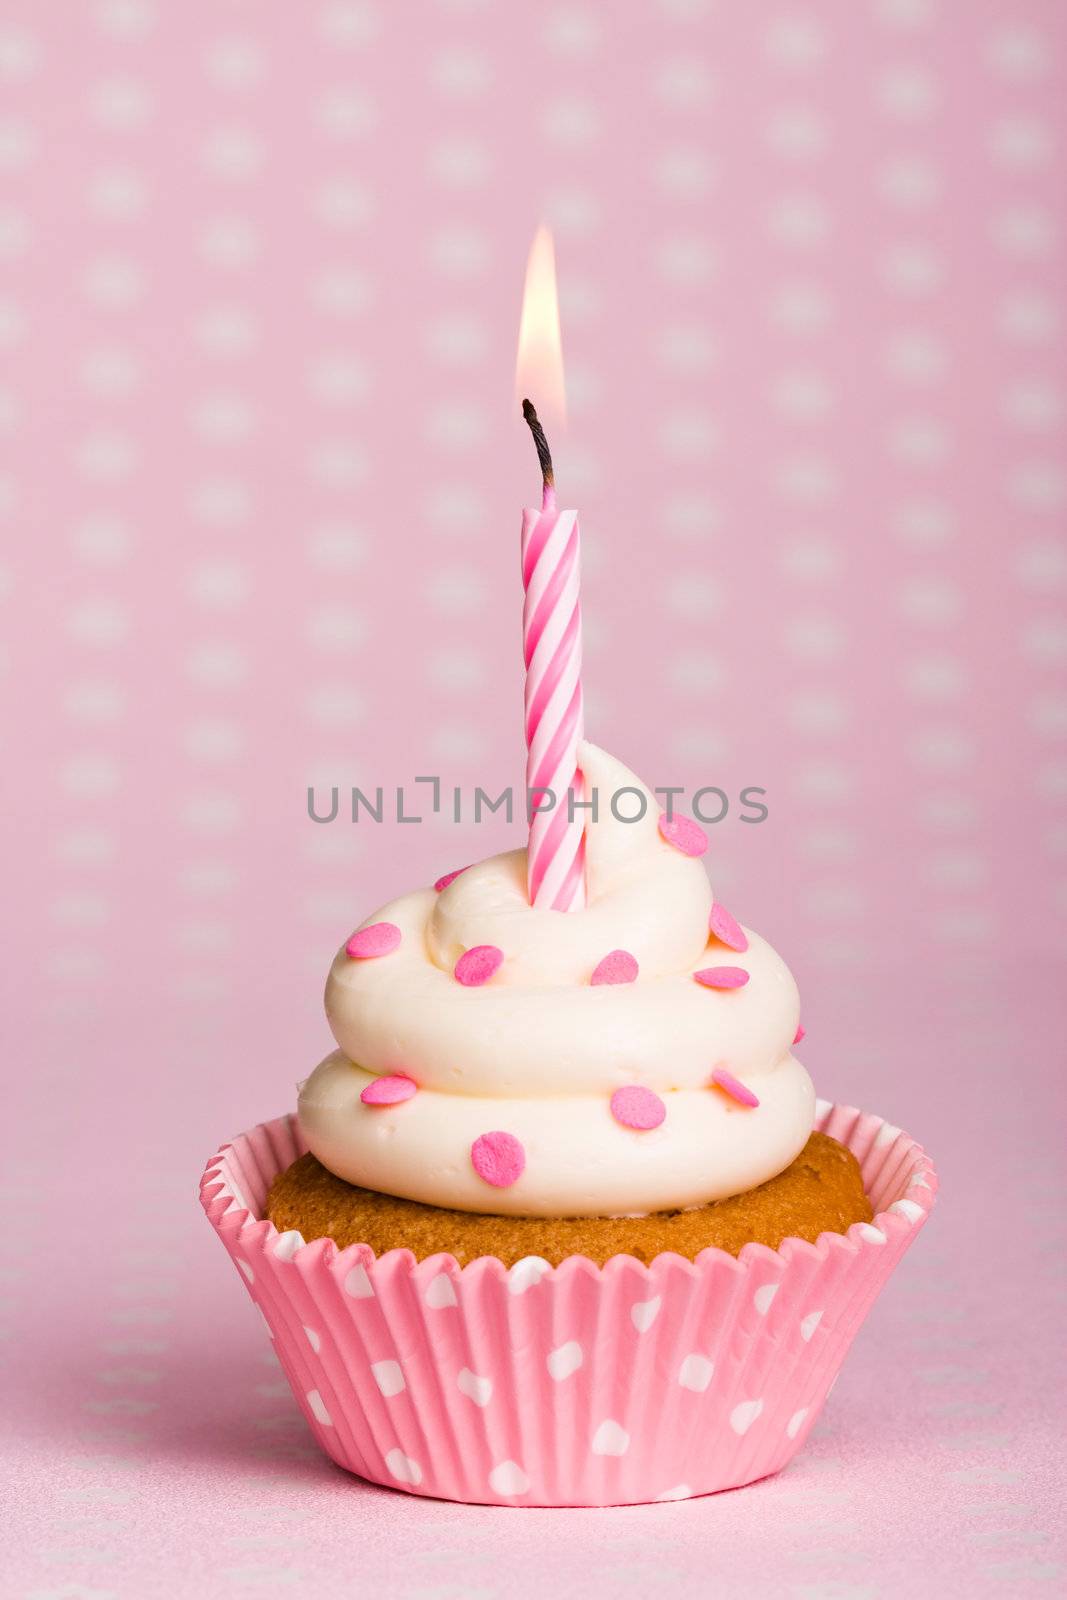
point(233, 152)
point(110, 372)
point(572, 31)
point(932, 601)
point(686, 348)
point(908, 92)
point(688, 434)
point(695, 597)
point(346, 113)
point(403, 1468)
point(939, 677)
point(526, 1273)
point(440, 1292)
point(908, 1208)
point(94, 701)
point(358, 1284)
point(314, 1339)
point(683, 83)
point(229, 243)
point(461, 73)
point(218, 666)
point(868, 1231)
point(90, 777)
point(86, 846)
point(695, 1373)
point(1038, 486)
point(116, 192)
point(796, 42)
point(573, 211)
point(644, 1313)
point(318, 1408)
point(799, 220)
point(1018, 52)
point(80, 909)
point(798, 133)
point(681, 1491)
point(389, 1378)
point(121, 103)
point(458, 339)
point(508, 1478)
point(802, 396)
point(809, 1323)
point(801, 308)
point(909, 181)
point(1034, 406)
point(1042, 565)
point(915, 358)
point(19, 53)
point(691, 516)
point(796, 1422)
point(1027, 231)
point(247, 1270)
point(1029, 316)
point(113, 282)
point(912, 269)
point(571, 122)
point(478, 1389)
point(207, 878)
point(926, 523)
point(610, 1439)
point(341, 292)
point(564, 1360)
point(456, 591)
point(125, 19)
point(685, 261)
point(763, 1297)
point(235, 63)
point(1020, 141)
point(684, 172)
point(288, 1244)
point(227, 330)
point(99, 621)
point(744, 1415)
point(222, 502)
point(812, 561)
point(212, 813)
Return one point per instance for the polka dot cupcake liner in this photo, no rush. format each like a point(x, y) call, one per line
point(577, 1385)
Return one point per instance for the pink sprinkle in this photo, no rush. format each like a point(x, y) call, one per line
point(725, 929)
point(685, 834)
point(722, 977)
point(477, 965)
point(498, 1158)
point(618, 966)
point(729, 1085)
point(449, 877)
point(377, 940)
point(389, 1090)
point(637, 1107)
point(801, 1031)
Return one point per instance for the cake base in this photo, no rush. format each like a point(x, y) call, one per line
point(820, 1192)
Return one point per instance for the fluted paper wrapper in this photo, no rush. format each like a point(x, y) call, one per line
point(577, 1385)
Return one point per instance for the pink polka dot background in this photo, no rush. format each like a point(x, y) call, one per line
point(261, 474)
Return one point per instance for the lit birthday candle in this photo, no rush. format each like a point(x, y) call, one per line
point(551, 619)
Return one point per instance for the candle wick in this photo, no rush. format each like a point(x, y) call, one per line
point(544, 454)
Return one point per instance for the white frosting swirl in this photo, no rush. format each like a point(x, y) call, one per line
point(537, 1052)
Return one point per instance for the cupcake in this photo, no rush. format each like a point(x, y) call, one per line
point(561, 1222)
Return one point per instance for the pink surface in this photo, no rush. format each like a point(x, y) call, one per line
point(571, 1386)
point(261, 472)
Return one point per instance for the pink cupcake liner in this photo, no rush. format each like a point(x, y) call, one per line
point(577, 1385)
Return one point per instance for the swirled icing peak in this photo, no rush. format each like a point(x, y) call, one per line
point(634, 1056)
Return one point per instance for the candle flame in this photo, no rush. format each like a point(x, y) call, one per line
point(539, 365)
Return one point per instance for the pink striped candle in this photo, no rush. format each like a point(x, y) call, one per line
point(552, 649)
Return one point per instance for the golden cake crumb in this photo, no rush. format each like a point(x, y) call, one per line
point(821, 1192)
